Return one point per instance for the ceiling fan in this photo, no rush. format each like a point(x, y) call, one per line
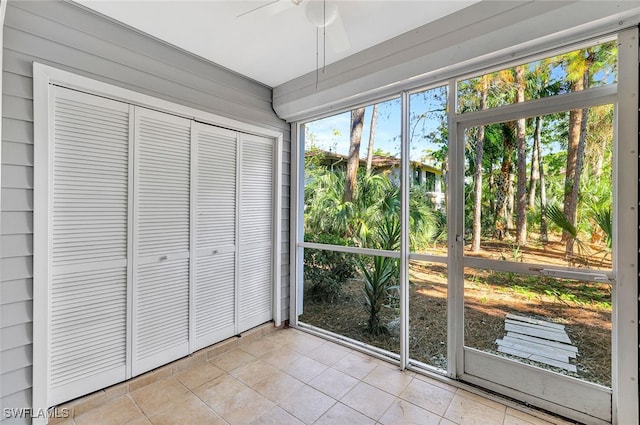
point(320, 13)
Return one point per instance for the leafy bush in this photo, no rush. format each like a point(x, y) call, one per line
point(326, 271)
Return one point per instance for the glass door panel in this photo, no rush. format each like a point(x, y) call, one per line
point(537, 257)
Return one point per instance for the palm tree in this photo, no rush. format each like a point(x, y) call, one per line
point(580, 67)
point(477, 174)
point(521, 193)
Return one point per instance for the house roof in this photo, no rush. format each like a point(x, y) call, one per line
point(378, 161)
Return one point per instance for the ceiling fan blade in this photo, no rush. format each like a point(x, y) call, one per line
point(262, 6)
point(337, 35)
point(272, 7)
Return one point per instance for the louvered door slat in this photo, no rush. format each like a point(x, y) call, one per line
point(256, 231)
point(161, 283)
point(215, 235)
point(89, 221)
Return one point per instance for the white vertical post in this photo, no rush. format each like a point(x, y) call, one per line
point(625, 248)
point(277, 229)
point(405, 175)
point(295, 206)
point(455, 232)
point(42, 152)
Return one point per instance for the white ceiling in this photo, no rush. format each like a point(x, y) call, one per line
point(275, 43)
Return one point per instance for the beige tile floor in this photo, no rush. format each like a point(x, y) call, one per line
point(291, 377)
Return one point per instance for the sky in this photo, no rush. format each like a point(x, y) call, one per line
point(332, 133)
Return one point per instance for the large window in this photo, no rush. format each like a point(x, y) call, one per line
point(352, 169)
point(482, 239)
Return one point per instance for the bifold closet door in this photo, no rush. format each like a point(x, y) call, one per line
point(255, 298)
point(88, 248)
point(161, 239)
point(215, 234)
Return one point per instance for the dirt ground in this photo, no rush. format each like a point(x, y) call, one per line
point(583, 309)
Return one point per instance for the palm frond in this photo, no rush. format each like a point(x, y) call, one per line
point(604, 219)
point(556, 215)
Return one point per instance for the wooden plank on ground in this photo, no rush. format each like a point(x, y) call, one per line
point(538, 340)
point(532, 344)
point(535, 350)
point(542, 328)
point(535, 321)
point(540, 333)
point(546, 342)
point(514, 352)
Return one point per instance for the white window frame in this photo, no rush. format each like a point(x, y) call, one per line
point(625, 405)
point(44, 77)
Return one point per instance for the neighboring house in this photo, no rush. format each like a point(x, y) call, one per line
point(84, 233)
point(421, 173)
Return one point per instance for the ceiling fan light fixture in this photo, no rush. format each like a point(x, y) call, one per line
point(321, 13)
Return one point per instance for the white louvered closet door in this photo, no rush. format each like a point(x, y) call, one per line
point(256, 231)
point(161, 239)
point(88, 246)
point(215, 228)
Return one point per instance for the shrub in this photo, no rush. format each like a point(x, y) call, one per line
point(326, 271)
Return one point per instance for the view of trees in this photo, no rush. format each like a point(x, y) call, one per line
point(536, 153)
point(529, 181)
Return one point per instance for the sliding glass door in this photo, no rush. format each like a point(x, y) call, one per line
point(481, 234)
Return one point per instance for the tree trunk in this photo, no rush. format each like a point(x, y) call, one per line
point(504, 182)
point(521, 191)
point(510, 202)
point(357, 118)
point(477, 176)
point(575, 154)
point(544, 236)
point(372, 135)
point(492, 187)
point(535, 173)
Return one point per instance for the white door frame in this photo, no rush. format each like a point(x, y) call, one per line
point(624, 300)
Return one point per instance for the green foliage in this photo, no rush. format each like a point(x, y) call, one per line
point(326, 271)
point(380, 274)
point(424, 221)
point(602, 215)
point(375, 199)
point(555, 214)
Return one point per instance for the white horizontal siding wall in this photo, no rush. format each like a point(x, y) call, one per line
point(68, 37)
